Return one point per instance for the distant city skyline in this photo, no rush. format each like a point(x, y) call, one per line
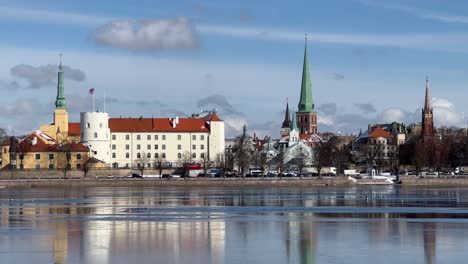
point(368, 60)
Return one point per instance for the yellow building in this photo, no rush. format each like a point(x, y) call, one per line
point(39, 151)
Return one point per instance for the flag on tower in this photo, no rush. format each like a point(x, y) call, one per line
point(91, 91)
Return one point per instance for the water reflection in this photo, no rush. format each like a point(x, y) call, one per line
point(210, 225)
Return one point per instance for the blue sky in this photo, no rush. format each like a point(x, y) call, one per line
point(368, 59)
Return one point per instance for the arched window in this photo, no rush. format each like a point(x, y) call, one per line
point(138, 155)
point(194, 155)
point(95, 135)
point(148, 155)
point(88, 126)
point(179, 156)
point(100, 125)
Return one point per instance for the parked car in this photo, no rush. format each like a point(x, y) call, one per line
point(136, 175)
point(166, 176)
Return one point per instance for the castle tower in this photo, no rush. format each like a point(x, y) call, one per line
point(306, 116)
point(59, 128)
point(427, 122)
point(285, 128)
point(216, 137)
point(95, 133)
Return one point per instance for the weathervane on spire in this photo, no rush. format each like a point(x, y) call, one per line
point(60, 56)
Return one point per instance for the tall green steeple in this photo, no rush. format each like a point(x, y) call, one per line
point(306, 104)
point(60, 102)
point(293, 122)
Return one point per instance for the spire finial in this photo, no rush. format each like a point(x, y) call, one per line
point(60, 65)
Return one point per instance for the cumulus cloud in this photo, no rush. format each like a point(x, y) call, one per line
point(9, 85)
point(23, 115)
point(219, 102)
point(148, 35)
point(45, 75)
point(328, 108)
point(390, 115)
point(446, 114)
point(366, 108)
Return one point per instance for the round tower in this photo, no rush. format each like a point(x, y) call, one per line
point(95, 133)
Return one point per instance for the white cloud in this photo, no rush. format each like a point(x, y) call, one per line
point(419, 12)
point(127, 33)
point(390, 115)
point(431, 41)
point(45, 75)
point(446, 114)
point(327, 120)
point(177, 33)
point(40, 15)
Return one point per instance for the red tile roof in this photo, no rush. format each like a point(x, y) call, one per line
point(379, 132)
point(212, 117)
point(74, 129)
point(41, 146)
point(157, 125)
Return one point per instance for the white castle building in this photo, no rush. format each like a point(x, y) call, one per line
point(124, 142)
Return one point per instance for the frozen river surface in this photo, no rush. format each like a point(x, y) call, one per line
point(366, 224)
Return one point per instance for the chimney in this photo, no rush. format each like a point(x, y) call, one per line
point(177, 120)
point(368, 127)
point(34, 141)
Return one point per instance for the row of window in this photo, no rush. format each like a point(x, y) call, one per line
point(156, 155)
point(52, 156)
point(156, 137)
point(148, 147)
point(51, 166)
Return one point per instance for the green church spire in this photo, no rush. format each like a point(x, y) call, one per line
point(306, 104)
point(60, 102)
point(293, 122)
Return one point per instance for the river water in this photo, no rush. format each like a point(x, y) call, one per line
point(364, 224)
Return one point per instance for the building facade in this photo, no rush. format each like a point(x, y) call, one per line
point(39, 151)
point(129, 142)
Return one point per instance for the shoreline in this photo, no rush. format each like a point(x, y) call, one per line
point(228, 182)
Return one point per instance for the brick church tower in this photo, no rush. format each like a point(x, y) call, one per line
point(427, 123)
point(306, 116)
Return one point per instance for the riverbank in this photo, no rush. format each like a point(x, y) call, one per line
point(219, 182)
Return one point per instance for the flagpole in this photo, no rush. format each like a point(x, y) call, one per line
point(93, 103)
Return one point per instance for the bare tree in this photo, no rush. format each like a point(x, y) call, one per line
point(63, 158)
point(379, 155)
point(184, 161)
point(206, 164)
point(418, 156)
point(300, 162)
point(244, 153)
point(280, 163)
point(86, 167)
point(323, 155)
point(220, 163)
point(158, 164)
point(369, 152)
point(142, 162)
point(21, 151)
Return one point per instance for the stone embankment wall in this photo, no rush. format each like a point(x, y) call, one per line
point(190, 182)
point(75, 174)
